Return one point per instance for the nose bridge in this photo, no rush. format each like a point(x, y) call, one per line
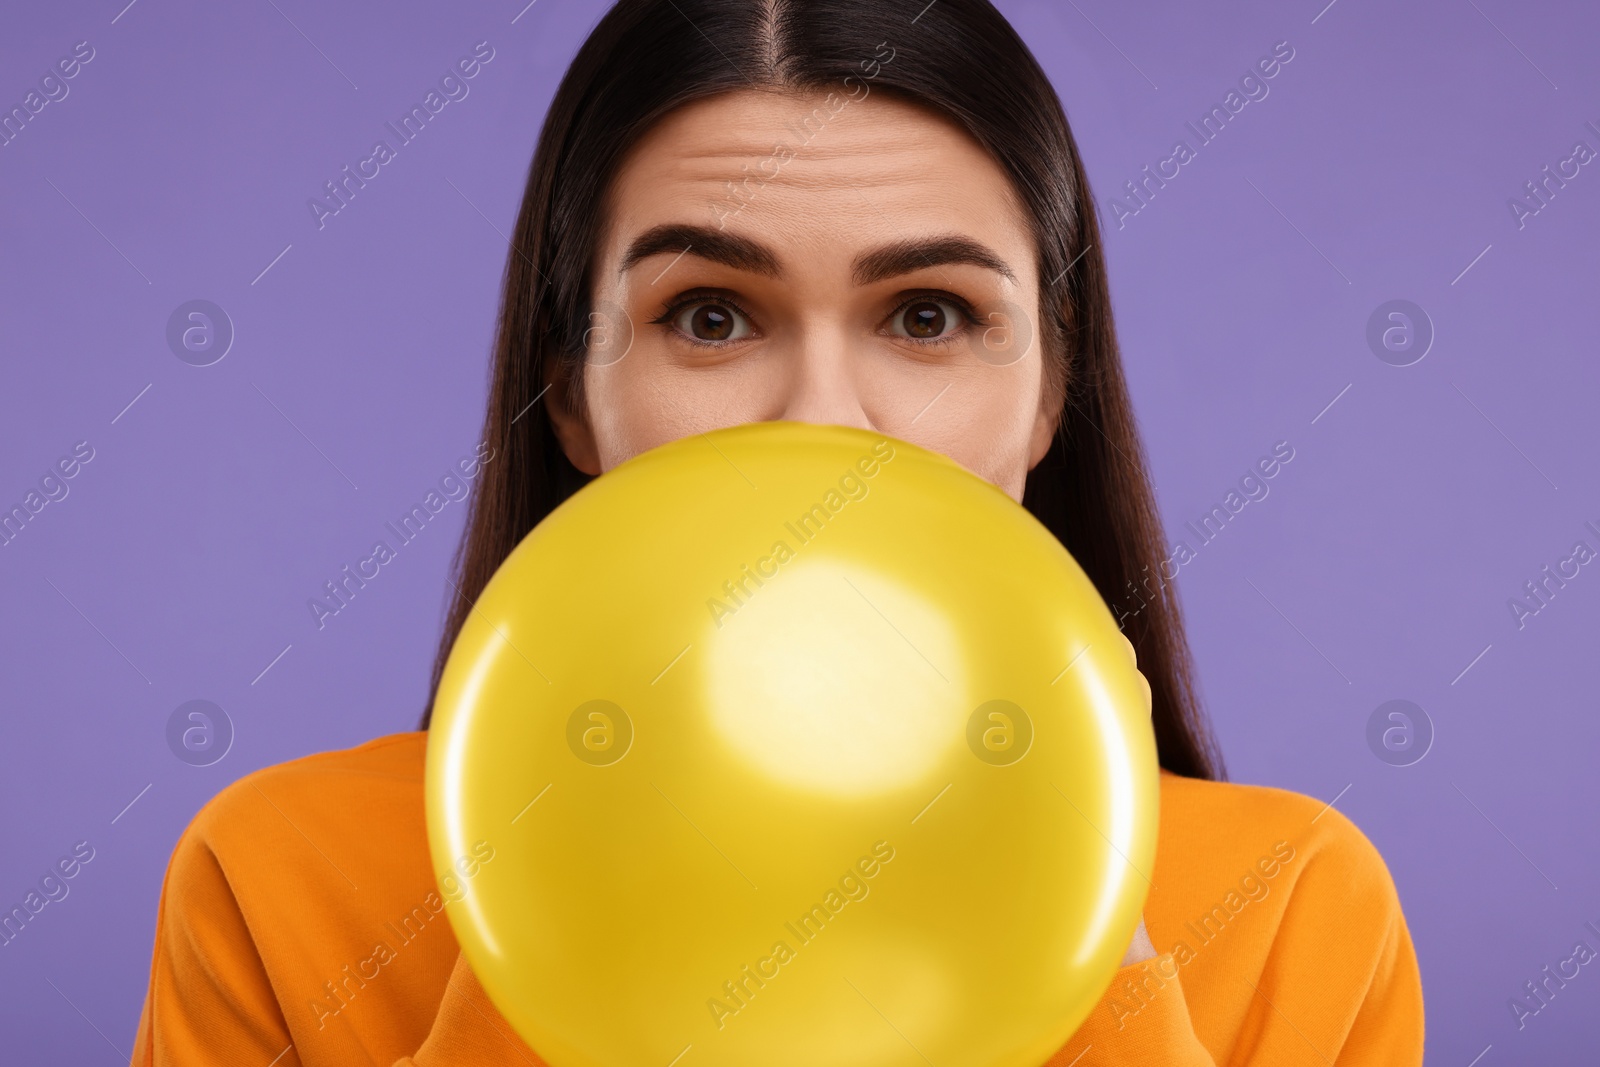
point(824, 381)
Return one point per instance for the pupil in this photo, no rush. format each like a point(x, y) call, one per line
point(924, 320)
point(711, 323)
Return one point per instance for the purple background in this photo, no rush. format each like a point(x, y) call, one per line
point(1379, 567)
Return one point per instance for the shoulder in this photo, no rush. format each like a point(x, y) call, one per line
point(1323, 856)
point(1266, 891)
point(393, 763)
point(326, 802)
point(278, 882)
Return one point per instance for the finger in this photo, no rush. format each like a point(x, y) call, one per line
point(1149, 697)
point(1140, 948)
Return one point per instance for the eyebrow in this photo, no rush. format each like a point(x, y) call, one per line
point(747, 254)
point(903, 257)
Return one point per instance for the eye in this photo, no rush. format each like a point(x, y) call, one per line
point(927, 319)
point(710, 321)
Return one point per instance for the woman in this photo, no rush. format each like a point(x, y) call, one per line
point(868, 212)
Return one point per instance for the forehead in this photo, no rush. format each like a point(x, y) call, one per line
point(814, 175)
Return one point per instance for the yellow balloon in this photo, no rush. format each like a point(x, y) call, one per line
point(792, 744)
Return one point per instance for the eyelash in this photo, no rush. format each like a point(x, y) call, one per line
point(689, 300)
point(969, 317)
point(693, 298)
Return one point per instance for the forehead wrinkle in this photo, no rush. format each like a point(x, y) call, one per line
point(854, 171)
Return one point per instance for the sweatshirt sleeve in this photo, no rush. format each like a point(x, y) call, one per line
point(470, 1030)
point(1342, 983)
point(1336, 983)
point(209, 998)
point(1160, 1032)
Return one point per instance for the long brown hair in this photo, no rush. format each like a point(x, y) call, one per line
point(959, 57)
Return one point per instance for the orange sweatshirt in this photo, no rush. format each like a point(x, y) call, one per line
point(300, 923)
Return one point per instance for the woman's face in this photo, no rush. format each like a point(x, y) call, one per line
point(858, 261)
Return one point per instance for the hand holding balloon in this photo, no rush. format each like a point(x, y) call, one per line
point(1141, 948)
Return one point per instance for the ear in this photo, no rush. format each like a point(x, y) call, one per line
point(572, 430)
point(1044, 428)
